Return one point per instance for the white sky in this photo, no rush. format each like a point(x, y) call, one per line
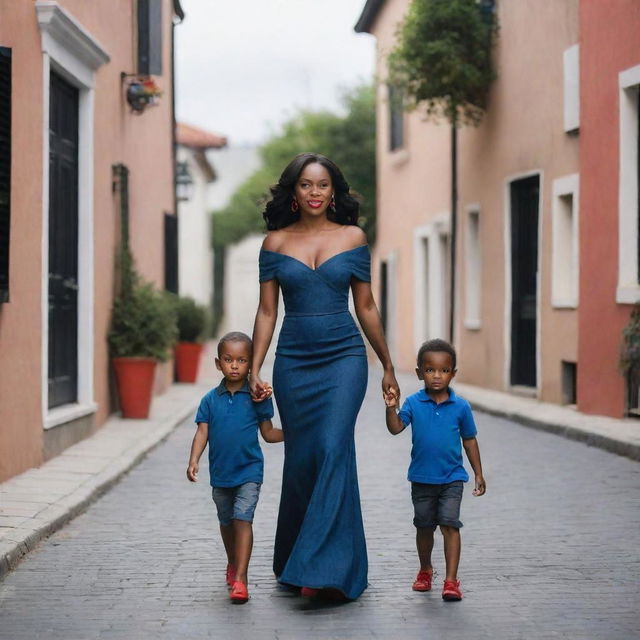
point(245, 66)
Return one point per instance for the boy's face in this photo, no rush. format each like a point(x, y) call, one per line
point(233, 360)
point(436, 371)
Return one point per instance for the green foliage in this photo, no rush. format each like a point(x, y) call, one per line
point(143, 322)
point(442, 59)
point(348, 139)
point(630, 351)
point(191, 318)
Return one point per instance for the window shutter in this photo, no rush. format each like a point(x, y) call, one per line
point(150, 37)
point(5, 169)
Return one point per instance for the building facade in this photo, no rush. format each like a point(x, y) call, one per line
point(525, 271)
point(83, 163)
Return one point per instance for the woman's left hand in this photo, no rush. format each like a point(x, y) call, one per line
point(390, 385)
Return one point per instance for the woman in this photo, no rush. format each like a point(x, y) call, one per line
point(315, 252)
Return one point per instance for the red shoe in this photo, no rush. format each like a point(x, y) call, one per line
point(231, 574)
point(451, 590)
point(309, 592)
point(423, 581)
point(239, 593)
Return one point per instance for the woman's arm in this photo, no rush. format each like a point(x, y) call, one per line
point(371, 324)
point(263, 328)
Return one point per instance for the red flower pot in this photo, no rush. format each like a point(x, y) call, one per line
point(134, 378)
point(187, 361)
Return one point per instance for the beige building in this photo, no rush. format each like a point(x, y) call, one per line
point(517, 267)
point(83, 157)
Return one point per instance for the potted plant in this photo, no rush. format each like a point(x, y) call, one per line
point(630, 360)
point(143, 330)
point(192, 321)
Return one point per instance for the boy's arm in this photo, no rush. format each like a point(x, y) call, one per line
point(472, 450)
point(270, 433)
point(197, 447)
point(394, 423)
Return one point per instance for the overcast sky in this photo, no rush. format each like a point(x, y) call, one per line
point(245, 66)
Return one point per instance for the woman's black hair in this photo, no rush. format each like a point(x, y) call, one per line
point(278, 213)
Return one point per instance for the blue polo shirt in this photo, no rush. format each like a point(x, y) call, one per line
point(235, 456)
point(436, 433)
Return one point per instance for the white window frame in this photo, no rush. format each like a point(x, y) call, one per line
point(473, 272)
point(430, 319)
point(628, 290)
point(571, 88)
point(70, 50)
point(563, 187)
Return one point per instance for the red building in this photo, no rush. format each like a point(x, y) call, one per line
point(609, 202)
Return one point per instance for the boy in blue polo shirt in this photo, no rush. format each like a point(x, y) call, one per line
point(228, 419)
point(439, 420)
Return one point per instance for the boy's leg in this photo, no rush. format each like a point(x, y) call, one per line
point(452, 547)
point(227, 534)
point(424, 544)
point(246, 499)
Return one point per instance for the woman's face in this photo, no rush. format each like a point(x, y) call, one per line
point(313, 190)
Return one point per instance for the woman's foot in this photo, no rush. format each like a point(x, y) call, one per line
point(239, 593)
point(309, 592)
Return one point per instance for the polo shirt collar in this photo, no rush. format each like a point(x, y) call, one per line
point(425, 397)
point(221, 389)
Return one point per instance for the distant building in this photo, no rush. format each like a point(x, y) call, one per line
point(547, 253)
point(195, 252)
point(82, 159)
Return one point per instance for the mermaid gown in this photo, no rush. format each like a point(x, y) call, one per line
point(319, 380)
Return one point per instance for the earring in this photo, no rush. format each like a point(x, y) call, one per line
point(294, 205)
point(332, 204)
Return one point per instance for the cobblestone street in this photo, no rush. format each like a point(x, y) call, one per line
point(550, 552)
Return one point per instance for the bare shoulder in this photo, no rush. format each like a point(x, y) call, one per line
point(273, 240)
point(355, 235)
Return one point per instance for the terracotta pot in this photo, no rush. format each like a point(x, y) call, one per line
point(187, 361)
point(134, 378)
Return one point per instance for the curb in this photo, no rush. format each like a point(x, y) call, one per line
point(80, 499)
point(590, 438)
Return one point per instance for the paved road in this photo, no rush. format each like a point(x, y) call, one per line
point(550, 552)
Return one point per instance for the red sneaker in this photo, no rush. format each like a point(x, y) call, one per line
point(423, 581)
point(239, 593)
point(231, 574)
point(309, 592)
point(451, 590)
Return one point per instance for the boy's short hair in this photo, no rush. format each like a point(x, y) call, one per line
point(235, 336)
point(437, 344)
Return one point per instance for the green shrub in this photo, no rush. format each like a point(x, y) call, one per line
point(143, 323)
point(191, 318)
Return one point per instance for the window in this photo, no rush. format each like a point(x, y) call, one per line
point(571, 70)
point(628, 291)
point(150, 37)
point(565, 243)
point(473, 282)
point(5, 169)
point(396, 119)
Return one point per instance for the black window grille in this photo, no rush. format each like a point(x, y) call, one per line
point(5, 170)
point(150, 37)
point(396, 118)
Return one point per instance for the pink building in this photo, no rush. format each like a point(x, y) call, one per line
point(534, 266)
point(76, 161)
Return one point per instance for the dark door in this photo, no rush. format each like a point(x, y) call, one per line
point(525, 195)
point(171, 252)
point(63, 242)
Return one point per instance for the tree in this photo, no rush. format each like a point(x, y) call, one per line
point(347, 138)
point(442, 62)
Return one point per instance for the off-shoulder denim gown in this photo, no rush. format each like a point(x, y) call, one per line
point(319, 381)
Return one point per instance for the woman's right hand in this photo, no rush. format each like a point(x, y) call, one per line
point(259, 390)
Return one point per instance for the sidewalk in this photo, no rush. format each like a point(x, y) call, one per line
point(40, 501)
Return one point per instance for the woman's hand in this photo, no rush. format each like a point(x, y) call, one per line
point(259, 390)
point(390, 387)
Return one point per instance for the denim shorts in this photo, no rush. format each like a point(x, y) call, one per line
point(435, 504)
point(236, 503)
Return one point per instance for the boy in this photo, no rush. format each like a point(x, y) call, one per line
point(228, 420)
point(439, 419)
